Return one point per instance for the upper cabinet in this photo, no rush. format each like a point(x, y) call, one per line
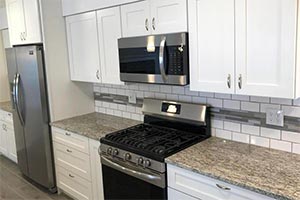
point(82, 35)
point(71, 7)
point(266, 47)
point(93, 46)
point(243, 47)
point(154, 17)
point(23, 21)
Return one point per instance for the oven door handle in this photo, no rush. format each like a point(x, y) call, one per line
point(158, 180)
point(162, 59)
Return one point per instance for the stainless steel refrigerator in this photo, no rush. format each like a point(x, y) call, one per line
point(30, 113)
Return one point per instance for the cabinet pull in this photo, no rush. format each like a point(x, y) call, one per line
point(98, 74)
point(223, 187)
point(69, 151)
point(240, 81)
point(71, 176)
point(229, 81)
point(24, 35)
point(21, 36)
point(147, 25)
point(4, 127)
point(153, 23)
point(68, 134)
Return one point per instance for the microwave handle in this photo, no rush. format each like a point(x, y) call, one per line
point(162, 59)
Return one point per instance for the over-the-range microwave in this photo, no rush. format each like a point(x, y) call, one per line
point(161, 59)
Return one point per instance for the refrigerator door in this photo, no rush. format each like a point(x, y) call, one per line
point(18, 127)
point(33, 107)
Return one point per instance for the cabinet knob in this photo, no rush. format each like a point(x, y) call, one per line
point(147, 25)
point(153, 23)
point(240, 81)
point(229, 81)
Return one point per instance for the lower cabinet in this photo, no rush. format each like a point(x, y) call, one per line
point(187, 185)
point(7, 136)
point(78, 166)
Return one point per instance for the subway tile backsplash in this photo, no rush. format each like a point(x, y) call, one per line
point(234, 117)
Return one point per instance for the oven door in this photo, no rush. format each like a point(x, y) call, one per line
point(126, 181)
point(155, 59)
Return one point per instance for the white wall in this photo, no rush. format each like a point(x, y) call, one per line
point(67, 98)
point(4, 86)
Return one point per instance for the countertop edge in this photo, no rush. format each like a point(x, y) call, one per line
point(253, 189)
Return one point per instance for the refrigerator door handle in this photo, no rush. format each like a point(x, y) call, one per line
point(17, 89)
point(14, 92)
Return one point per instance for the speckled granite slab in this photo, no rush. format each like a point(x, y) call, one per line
point(6, 106)
point(94, 125)
point(266, 171)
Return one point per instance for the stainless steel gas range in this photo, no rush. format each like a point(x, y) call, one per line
point(133, 164)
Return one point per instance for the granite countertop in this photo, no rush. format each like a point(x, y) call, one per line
point(6, 106)
point(266, 171)
point(94, 125)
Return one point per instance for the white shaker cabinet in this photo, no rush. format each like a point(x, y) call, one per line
point(244, 47)
point(211, 35)
point(154, 17)
point(24, 21)
point(136, 19)
point(3, 139)
point(82, 36)
point(266, 47)
point(109, 31)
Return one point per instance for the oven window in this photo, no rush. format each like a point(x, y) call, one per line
point(118, 185)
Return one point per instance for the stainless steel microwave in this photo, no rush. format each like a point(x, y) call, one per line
point(161, 59)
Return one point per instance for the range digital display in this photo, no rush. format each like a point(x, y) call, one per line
point(171, 108)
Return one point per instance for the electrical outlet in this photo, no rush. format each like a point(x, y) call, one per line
point(275, 117)
point(132, 97)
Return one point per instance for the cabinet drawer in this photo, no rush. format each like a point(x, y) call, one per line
point(6, 116)
point(202, 187)
point(70, 139)
point(176, 195)
point(73, 184)
point(73, 160)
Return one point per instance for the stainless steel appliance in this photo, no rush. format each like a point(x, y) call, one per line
point(30, 113)
point(159, 59)
point(132, 160)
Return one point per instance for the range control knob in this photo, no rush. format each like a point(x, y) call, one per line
point(140, 161)
point(115, 152)
point(147, 163)
point(127, 156)
point(109, 151)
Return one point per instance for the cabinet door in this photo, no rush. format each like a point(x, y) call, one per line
point(12, 149)
point(211, 31)
point(96, 170)
point(108, 44)
point(16, 20)
point(136, 19)
point(5, 39)
point(168, 16)
point(265, 47)
point(3, 139)
point(32, 20)
point(83, 47)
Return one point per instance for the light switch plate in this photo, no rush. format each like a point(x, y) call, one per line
point(132, 97)
point(275, 117)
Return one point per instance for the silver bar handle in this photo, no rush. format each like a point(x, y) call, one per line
point(162, 59)
point(223, 187)
point(147, 24)
point(240, 81)
point(17, 89)
point(229, 81)
point(153, 23)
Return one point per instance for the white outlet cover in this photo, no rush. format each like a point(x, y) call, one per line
point(132, 97)
point(275, 117)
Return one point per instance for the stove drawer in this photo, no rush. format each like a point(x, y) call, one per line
point(70, 139)
point(74, 185)
point(73, 160)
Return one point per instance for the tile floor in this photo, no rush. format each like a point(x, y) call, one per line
point(14, 187)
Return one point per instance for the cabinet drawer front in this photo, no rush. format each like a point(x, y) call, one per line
point(203, 187)
point(74, 185)
point(73, 160)
point(176, 195)
point(70, 139)
point(6, 117)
